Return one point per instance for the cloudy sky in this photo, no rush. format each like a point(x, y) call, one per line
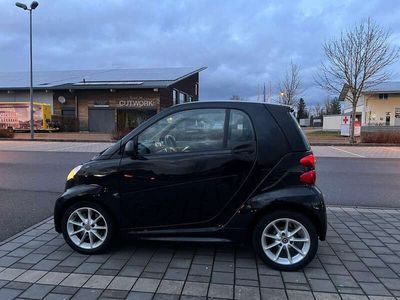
point(244, 43)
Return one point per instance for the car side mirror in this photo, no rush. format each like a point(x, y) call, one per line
point(130, 149)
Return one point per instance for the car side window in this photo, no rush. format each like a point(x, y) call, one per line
point(185, 131)
point(240, 129)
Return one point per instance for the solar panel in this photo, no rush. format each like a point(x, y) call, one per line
point(49, 79)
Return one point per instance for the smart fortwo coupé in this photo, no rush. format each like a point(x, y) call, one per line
point(223, 170)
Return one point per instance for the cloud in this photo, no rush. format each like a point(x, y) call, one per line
point(244, 43)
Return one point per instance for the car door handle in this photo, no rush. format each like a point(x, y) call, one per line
point(244, 148)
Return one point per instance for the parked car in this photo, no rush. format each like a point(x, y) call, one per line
point(178, 175)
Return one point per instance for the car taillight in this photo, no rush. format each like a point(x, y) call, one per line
point(308, 161)
point(308, 177)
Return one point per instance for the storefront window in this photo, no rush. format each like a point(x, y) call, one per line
point(68, 112)
point(174, 96)
point(130, 119)
point(182, 98)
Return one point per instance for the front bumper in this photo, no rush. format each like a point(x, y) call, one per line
point(71, 196)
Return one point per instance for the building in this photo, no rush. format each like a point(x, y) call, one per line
point(377, 106)
point(104, 100)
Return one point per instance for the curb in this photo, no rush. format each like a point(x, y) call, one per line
point(24, 231)
point(112, 141)
point(363, 207)
point(355, 145)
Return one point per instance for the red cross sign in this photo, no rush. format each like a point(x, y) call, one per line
point(345, 120)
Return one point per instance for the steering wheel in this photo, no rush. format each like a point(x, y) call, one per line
point(170, 141)
point(186, 149)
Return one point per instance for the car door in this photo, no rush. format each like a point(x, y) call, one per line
point(189, 166)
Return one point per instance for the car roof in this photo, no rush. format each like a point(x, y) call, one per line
point(230, 103)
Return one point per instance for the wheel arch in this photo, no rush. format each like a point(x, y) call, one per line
point(66, 201)
point(293, 207)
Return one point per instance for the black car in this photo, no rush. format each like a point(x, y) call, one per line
point(222, 171)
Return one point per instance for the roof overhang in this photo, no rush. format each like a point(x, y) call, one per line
point(371, 91)
point(81, 83)
point(188, 75)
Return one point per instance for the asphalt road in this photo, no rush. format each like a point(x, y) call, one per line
point(373, 182)
point(31, 181)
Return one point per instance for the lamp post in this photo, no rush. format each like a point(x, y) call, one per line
point(281, 95)
point(34, 4)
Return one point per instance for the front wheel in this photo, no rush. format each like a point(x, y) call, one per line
point(285, 240)
point(87, 228)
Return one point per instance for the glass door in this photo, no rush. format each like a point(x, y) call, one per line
point(130, 118)
point(397, 116)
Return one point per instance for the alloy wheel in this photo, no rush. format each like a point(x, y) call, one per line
point(285, 241)
point(87, 228)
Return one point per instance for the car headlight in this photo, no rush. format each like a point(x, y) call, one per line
point(73, 172)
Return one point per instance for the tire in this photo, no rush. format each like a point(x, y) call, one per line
point(98, 236)
point(266, 236)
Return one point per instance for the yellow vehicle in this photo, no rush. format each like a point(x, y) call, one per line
point(16, 116)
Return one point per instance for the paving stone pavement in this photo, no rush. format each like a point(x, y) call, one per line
point(359, 260)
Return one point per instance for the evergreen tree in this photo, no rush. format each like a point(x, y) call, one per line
point(302, 112)
point(336, 109)
point(332, 107)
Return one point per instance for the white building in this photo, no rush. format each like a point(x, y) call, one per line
point(377, 106)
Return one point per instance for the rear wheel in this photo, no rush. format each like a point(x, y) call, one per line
point(285, 240)
point(87, 228)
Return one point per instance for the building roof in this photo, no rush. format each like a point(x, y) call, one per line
point(97, 79)
point(385, 87)
point(388, 87)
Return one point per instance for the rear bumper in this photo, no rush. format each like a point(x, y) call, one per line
point(321, 215)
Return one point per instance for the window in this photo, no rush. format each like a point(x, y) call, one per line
point(383, 96)
point(240, 129)
point(68, 112)
point(387, 120)
point(174, 96)
point(182, 98)
point(185, 131)
point(196, 89)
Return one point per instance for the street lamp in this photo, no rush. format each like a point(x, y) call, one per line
point(34, 4)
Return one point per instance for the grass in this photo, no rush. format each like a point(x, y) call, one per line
point(325, 136)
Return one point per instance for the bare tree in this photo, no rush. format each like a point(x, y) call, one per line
point(290, 85)
point(318, 110)
point(327, 106)
point(235, 97)
point(357, 60)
